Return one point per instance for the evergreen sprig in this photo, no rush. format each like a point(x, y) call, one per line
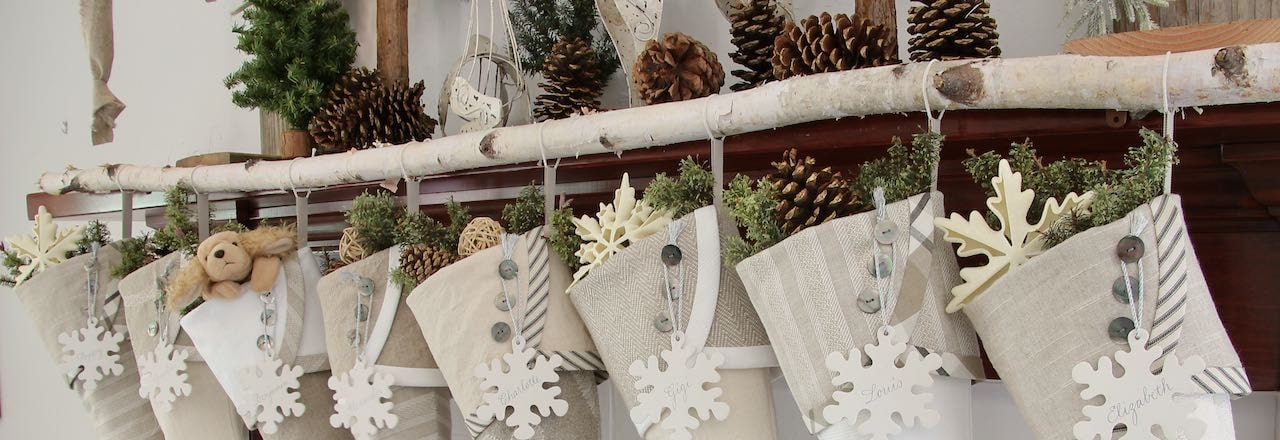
point(563, 238)
point(135, 253)
point(1116, 191)
point(538, 24)
point(95, 232)
point(374, 215)
point(12, 262)
point(753, 205)
point(684, 194)
point(525, 213)
point(297, 50)
point(179, 232)
point(903, 172)
point(459, 217)
point(418, 228)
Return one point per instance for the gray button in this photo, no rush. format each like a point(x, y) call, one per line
point(507, 269)
point(1130, 249)
point(268, 316)
point(500, 331)
point(869, 301)
point(362, 313)
point(880, 266)
point(153, 328)
point(500, 302)
point(364, 285)
point(351, 338)
point(663, 323)
point(1118, 288)
point(671, 255)
point(1119, 329)
point(885, 232)
point(266, 297)
point(264, 341)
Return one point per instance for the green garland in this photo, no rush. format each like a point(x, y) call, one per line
point(538, 24)
point(1116, 192)
point(297, 50)
point(684, 194)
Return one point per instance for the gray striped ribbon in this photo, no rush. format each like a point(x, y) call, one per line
point(535, 317)
point(1172, 244)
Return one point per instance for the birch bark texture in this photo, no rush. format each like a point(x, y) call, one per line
point(1231, 75)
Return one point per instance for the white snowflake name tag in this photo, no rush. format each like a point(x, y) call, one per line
point(91, 353)
point(161, 376)
point(679, 389)
point(359, 395)
point(883, 388)
point(266, 387)
point(1138, 399)
point(521, 386)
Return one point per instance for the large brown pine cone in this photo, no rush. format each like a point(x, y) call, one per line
point(572, 81)
point(824, 43)
point(808, 196)
point(677, 68)
point(754, 27)
point(952, 29)
point(362, 110)
point(420, 261)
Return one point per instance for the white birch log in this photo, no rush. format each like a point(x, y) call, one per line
point(1234, 75)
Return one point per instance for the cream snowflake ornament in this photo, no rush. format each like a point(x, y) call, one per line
point(522, 386)
point(266, 389)
point(91, 353)
point(883, 389)
point(1015, 242)
point(616, 226)
point(161, 376)
point(678, 390)
point(46, 246)
point(359, 395)
point(1139, 398)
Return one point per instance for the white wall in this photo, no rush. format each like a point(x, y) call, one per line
point(171, 57)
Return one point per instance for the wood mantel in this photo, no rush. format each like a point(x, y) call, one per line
point(1229, 178)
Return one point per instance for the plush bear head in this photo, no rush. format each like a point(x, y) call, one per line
point(226, 259)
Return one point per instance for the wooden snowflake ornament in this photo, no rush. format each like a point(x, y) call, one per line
point(1015, 242)
point(669, 398)
point(91, 353)
point(46, 246)
point(616, 226)
point(1139, 398)
point(882, 388)
point(161, 376)
point(522, 386)
point(266, 386)
point(359, 405)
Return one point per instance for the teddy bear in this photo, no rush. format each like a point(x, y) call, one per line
point(226, 259)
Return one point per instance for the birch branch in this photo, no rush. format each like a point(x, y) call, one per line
point(1233, 75)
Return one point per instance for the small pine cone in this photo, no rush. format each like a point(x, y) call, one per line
point(420, 261)
point(572, 80)
point(676, 68)
point(952, 29)
point(824, 43)
point(363, 110)
point(754, 27)
point(808, 196)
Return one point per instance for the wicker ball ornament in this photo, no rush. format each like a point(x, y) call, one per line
point(480, 234)
point(350, 250)
point(676, 67)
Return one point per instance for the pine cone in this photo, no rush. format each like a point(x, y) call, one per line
point(822, 44)
point(677, 68)
point(572, 80)
point(808, 196)
point(362, 110)
point(420, 261)
point(754, 27)
point(952, 29)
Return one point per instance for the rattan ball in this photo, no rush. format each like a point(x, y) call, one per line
point(480, 234)
point(349, 248)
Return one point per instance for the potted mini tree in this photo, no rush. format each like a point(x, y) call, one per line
point(298, 49)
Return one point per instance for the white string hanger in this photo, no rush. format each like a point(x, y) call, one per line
point(1168, 123)
point(883, 287)
point(413, 200)
point(548, 177)
point(934, 123)
point(300, 201)
point(717, 152)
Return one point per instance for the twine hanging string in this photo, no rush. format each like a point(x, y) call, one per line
point(934, 123)
point(674, 294)
point(1168, 124)
point(1137, 225)
point(887, 299)
point(717, 152)
point(91, 286)
point(360, 328)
